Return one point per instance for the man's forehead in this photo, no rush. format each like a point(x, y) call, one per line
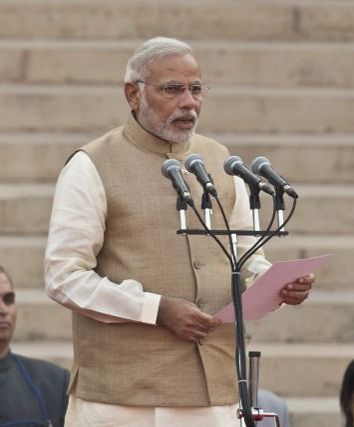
point(174, 68)
point(5, 285)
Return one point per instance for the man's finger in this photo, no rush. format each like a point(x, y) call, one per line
point(295, 298)
point(200, 335)
point(309, 279)
point(298, 287)
point(208, 321)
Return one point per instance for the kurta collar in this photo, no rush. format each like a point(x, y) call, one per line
point(138, 136)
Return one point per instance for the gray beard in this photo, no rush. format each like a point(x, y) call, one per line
point(152, 123)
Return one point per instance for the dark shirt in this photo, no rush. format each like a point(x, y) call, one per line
point(270, 402)
point(34, 390)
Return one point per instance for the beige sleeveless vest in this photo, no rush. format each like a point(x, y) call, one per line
point(140, 364)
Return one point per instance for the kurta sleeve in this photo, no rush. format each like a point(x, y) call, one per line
point(76, 235)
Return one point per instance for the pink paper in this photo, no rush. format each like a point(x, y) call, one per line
point(263, 296)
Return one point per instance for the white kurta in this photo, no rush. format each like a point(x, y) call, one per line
point(89, 414)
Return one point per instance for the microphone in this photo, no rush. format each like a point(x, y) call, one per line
point(194, 164)
point(171, 169)
point(261, 166)
point(234, 166)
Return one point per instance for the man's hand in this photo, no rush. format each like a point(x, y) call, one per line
point(296, 292)
point(185, 319)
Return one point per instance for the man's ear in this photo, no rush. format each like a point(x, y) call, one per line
point(132, 94)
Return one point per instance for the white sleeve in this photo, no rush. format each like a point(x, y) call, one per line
point(76, 235)
point(241, 219)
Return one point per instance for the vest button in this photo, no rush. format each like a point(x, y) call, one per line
point(197, 265)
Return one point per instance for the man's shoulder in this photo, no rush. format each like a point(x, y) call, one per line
point(104, 139)
point(97, 146)
point(42, 366)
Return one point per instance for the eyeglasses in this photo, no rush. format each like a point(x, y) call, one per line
point(174, 90)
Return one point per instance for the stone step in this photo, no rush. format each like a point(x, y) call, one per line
point(325, 158)
point(45, 155)
point(304, 370)
point(39, 318)
point(320, 209)
point(311, 371)
point(310, 412)
point(225, 19)
point(223, 62)
point(325, 317)
point(336, 275)
point(245, 110)
point(26, 208)
point(61, 108)
point(23, 258)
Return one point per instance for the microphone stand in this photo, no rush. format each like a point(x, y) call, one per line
point(182, 206)
point(246, 411)
point(207, 208)
point(255, 205)
point(253, 381)
point(280, 207)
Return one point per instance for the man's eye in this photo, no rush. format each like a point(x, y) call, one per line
point(196, 89)
point(173, 89)
point(9, 298)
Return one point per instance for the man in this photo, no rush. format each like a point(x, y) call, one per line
point(33, 392)
point(147, 350)
point(270, 402)
point(346, 397)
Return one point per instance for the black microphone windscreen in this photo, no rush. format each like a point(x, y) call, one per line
point(166, 166)
point(257, 164)
point(228, 164)
point(190, 160)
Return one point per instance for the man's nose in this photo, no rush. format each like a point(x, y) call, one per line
point(187, 100)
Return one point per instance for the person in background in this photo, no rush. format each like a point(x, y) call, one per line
point(147, 350)
point(270, 402)
point(347, 395)
point(32, 392)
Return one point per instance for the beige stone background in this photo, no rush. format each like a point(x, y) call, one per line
point(282, 86)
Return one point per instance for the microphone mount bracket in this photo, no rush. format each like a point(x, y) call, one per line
point(226, 232)
point(279, 200)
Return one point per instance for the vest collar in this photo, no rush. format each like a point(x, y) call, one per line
point(138, 136)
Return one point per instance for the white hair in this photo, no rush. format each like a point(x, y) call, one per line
point(150, 51)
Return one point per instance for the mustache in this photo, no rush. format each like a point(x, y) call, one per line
point(190, 115)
